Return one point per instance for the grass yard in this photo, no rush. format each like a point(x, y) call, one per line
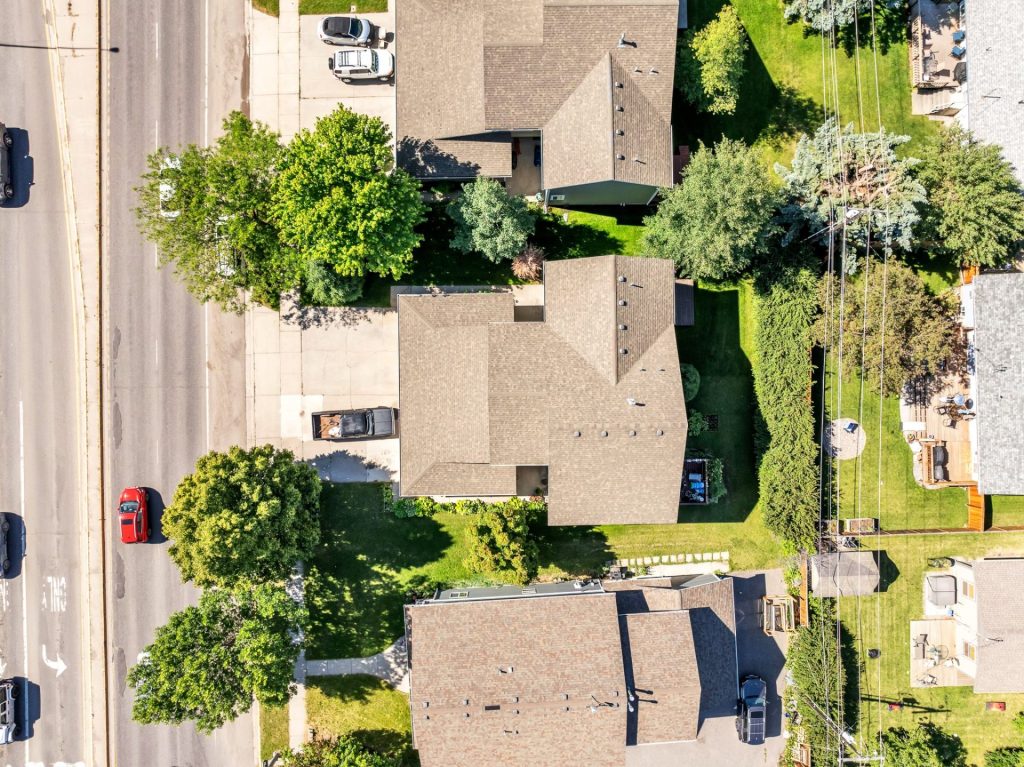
point(883, 621)
point(782, 92)
point(271, 7)
point(273, 730)
point(317, 7)
point(368, 708)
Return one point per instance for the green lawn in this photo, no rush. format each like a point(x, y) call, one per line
point(272, 7)
point(340, 6)
point(273, 730)
point(365, 707)
point(882, 621)
point(782, 92)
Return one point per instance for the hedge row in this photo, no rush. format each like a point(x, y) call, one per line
point(788, 474)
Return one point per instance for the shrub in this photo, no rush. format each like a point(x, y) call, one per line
point(716, 480)
point(698, 423)
point(322, 286)
point(529, 265)
point(1004, 757)
point(788, 474)
point(490, 221)
point(500, 542)
point(691, 380)
point(818, 680)
point(709, 63)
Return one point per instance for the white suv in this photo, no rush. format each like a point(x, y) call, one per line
point(8, 719)
point(350, 64)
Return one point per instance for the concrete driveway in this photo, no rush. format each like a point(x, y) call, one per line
point(717, 744)
point(305, 360)
point(320, 91)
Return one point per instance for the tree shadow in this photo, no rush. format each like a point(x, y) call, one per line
point(772, 112)
point(350, 688)
point(578, 550)
point(354, 589)
point(562, 238)
point(423, 158)
point(344, 466)
point(950, 748)
point(891, 28)
point(306, 317)
point(390, 743)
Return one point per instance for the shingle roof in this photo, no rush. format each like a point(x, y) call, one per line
point(995, 78)
point(545, 679)
point(550, 65)
point(999, 372)
point(844, 574)
point(610, 427)
point(563, 653)
point(1000, 643)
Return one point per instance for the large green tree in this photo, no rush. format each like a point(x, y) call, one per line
point(924, 746)
point(207, 209)
point(339, 201)
point(243, 515)
point(976, 206)
point(841, 181)
point(344, 751)
point(824, 15)
point(209, 661)
point(709, 63)
point(914, 336)
point(490, 221)
point(719, 218)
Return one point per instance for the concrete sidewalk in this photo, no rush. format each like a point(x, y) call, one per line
point(391, 665)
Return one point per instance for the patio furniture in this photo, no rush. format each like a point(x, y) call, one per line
point(851, 427)
point(958, 399)
point(950, 423)
point(959, 35)
point(958, 51)
point(942, 409)
point(995, 705)
point(928, 680)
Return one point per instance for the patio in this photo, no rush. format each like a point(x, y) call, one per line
point(938, 425)
point(933, 660)
point(935, 38)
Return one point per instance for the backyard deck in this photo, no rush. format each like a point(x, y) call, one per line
point(933, 654)
point(933, 26)
point(926, 428)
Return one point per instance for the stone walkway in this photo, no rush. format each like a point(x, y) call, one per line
point(389, 665)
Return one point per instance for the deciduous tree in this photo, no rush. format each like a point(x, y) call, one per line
point(209, 661)
point(924, 746)
point(920, 329)
point(500, 542)
point(339, 201)
point(709, 63)
point(853, 182)
point(207, 209)
point(976, 206)
point(490, 221)
point(719, 218)
point(243, 515)
point(344, 751)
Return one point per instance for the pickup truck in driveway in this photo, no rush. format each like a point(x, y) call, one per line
point(341, 425)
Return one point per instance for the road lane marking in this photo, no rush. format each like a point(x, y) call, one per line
point(57, 665)
point(156, 353)
point(156, 40)
point(156, 134)
point(24, 580)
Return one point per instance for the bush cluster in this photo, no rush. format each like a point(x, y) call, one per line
point(818, 680)
point(788, 473)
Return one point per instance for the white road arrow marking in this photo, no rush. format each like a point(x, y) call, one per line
point(3, 667)
point(58, 664)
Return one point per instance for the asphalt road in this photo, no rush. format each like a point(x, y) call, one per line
point(41, 601)
point(176, 72)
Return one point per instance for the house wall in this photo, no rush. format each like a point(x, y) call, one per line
point(965, 613)
point(609, 192)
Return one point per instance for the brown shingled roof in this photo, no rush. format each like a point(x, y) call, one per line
point(554, 66)
point(480, 390)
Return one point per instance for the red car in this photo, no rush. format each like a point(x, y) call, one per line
point(133, 514)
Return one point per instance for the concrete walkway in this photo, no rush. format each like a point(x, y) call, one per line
point(297, 729)
point(389, 665)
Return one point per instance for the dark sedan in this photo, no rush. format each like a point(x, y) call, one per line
point(347, 30)
point(752, 703)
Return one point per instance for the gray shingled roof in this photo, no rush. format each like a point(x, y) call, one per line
point(481, 394)
point(844, 574)
point(999, 370)
point(544, 679)
point(995, 77)
point(538, 65)
point(1000, 645)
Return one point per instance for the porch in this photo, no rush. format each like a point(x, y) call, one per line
point(933, 661)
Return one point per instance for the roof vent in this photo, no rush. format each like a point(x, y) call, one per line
point(604, 434)
point(623, 351)
point(632, 433)
point(653, 71)
point(492, 708)
point(622, 302)
point(515, 698)
point(619, 132)
point(620, 157)
point(465, 701)
point(624, 43)
point(577, 434)
point(426, 704)
point(619, 108)
point(622, 327)
point(660, 433)
point(637, 69)
point(618, 84)
point(622, 278)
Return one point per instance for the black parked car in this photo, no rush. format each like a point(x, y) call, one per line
point(6, 184)
point(752, 703)
point(5, 557)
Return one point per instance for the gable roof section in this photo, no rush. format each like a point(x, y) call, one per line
point(999, 372)
point(478, 389)
point(1000, 645)
point(660, 661)
point(540, 65)
point(563, 653)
